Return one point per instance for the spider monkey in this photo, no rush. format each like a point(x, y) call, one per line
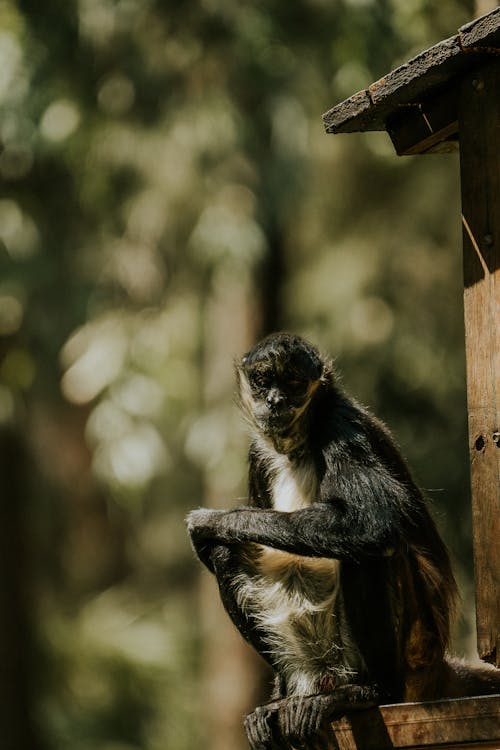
point(335, 571)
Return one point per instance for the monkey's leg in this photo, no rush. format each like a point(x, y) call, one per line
point(231, 565)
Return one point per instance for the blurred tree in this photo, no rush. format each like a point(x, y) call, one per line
point(484, 6)
point(17, 652)
point(169, 195)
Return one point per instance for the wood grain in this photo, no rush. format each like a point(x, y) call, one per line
point(464, 723)
point(479, 125)
point(432, 123)
point(482, 32)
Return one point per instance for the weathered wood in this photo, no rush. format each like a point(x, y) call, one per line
point(482, 32)
point(479, 119)
point(462, 723)
point(423, 127)
point(418, 76)
point(350, 111)
point(356, 115)
point(400, 87)
point(433, 68)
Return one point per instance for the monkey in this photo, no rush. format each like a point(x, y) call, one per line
point(334, 571)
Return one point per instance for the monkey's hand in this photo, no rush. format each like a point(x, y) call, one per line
point(201, 524)
point(202, 521)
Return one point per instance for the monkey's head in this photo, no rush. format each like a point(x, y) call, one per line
point(277, 381)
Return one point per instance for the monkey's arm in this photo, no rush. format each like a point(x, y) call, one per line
point(362, 510)
point(313, 532)
point(364, 519)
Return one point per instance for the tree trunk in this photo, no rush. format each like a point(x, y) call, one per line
point(18, 666)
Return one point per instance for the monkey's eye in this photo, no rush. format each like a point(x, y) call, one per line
point(259, 380)
point(296, 386)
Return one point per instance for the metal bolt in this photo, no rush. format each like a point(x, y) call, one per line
point(478, 84)
point(488, 240)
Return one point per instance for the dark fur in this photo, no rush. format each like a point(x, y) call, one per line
point(395, 584)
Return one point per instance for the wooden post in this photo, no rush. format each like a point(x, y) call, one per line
point(453, 89)
point(479, 128)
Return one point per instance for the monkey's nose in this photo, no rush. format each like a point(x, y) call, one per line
point(275, 400)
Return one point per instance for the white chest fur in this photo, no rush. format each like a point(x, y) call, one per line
point(294, 486)
point(294, 598)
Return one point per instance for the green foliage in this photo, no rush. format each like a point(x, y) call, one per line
point(159, 160)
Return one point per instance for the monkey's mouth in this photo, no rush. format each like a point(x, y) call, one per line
point(274, 422)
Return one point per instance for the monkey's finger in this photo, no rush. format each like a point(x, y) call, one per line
point(255, 743)
point(260, 733)
point(254, 733)
point(298, 717)
point(309, 720)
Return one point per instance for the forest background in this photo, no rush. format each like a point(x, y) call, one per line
point(168, 195)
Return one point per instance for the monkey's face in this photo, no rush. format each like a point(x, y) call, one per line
point(277, 380)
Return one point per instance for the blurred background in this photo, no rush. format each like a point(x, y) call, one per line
point(168, 195)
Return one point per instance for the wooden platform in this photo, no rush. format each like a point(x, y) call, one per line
point(447, 724)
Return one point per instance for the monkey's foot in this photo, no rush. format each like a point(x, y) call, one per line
point(259, 727)
point(303, 719)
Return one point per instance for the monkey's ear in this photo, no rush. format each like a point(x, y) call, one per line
point(328, 374)
point(240, 363)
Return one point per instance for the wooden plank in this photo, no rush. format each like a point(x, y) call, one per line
point(430, 68)
point(435, 67)
point(479, 118)
point(482, 32)
point(369, 109)
point(466, 722)
point(420, 128)
point(443, 140)
point(348, 112)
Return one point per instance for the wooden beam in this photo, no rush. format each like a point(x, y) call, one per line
point(480, 33)
point(459, 723)
point(425, 127)
point(479, 123)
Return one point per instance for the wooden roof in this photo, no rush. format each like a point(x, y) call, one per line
point(427, 73)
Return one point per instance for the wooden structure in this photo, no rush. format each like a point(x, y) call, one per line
point(447, 724)
point(448, 97)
